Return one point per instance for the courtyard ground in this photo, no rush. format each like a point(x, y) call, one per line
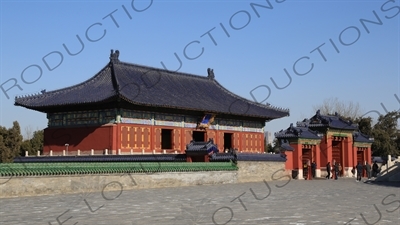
point(342, 201)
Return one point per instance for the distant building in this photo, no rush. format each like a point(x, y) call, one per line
point(269, 139)
point(323, 139)
point(127, 107)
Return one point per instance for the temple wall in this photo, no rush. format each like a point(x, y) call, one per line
point(149, 138)
point(50, 185)
point(249, 171)
point(86, 138)
point(254, 171)
point(138, 137)
point(138, 131)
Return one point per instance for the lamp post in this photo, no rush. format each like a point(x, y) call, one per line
point(66, 145)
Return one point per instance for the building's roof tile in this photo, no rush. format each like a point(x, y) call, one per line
point(147, 86)
point(199, 146)
point(331, 121)
point(298, 132)
point(360, 137)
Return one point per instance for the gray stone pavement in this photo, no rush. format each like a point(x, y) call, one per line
point(342, 201)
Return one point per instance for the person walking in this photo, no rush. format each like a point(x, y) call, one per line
point(368, 170)
point(328, 170)
point(359, 169)
point(336, 169)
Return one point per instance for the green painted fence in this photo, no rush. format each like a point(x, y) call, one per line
point(51, 169)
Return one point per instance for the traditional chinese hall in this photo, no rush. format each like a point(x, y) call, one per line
point(127, 108)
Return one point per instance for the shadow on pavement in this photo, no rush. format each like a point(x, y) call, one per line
point(383, 183)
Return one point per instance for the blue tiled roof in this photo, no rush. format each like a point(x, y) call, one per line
point(297, 132)
point(200, 146)
point(223, 157)
point(286, 147)
point(332, 121)
point(360, 137)
point(146, 86)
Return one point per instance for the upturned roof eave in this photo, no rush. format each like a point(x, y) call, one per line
point(202, 110)
point(333, 127)
point(49, 108)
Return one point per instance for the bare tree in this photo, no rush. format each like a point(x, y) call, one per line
point(347, 109)
point(28, 133)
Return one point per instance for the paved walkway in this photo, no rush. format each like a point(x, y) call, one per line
point(343, 201)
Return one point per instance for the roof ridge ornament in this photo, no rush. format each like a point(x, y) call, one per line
point(210, 73)
point(114, 56)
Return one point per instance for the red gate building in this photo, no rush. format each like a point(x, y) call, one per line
point(322, 139)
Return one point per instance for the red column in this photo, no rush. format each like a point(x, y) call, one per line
point(364, 159)
point(355, 156)
point(297, 162)
point(345, 156)
point(350, 153)
point(152, 138)
point(114, 142)
point(329, 149)
point(261, 141)
point(183, 144)
point(369, 157)
point(317, 157)
point(289, 165)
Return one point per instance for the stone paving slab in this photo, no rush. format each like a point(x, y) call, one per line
point(298, 202)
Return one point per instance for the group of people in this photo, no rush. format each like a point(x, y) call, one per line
point(336, 170)
point(370, 171)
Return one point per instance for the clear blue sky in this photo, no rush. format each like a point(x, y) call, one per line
point(258, 44)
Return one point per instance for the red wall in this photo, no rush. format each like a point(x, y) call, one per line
point(84, 138)
point(149, 138)
point(138, 137)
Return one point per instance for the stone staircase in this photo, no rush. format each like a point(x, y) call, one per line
point(391, 173)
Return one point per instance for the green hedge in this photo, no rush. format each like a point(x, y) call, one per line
point(44, 169)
